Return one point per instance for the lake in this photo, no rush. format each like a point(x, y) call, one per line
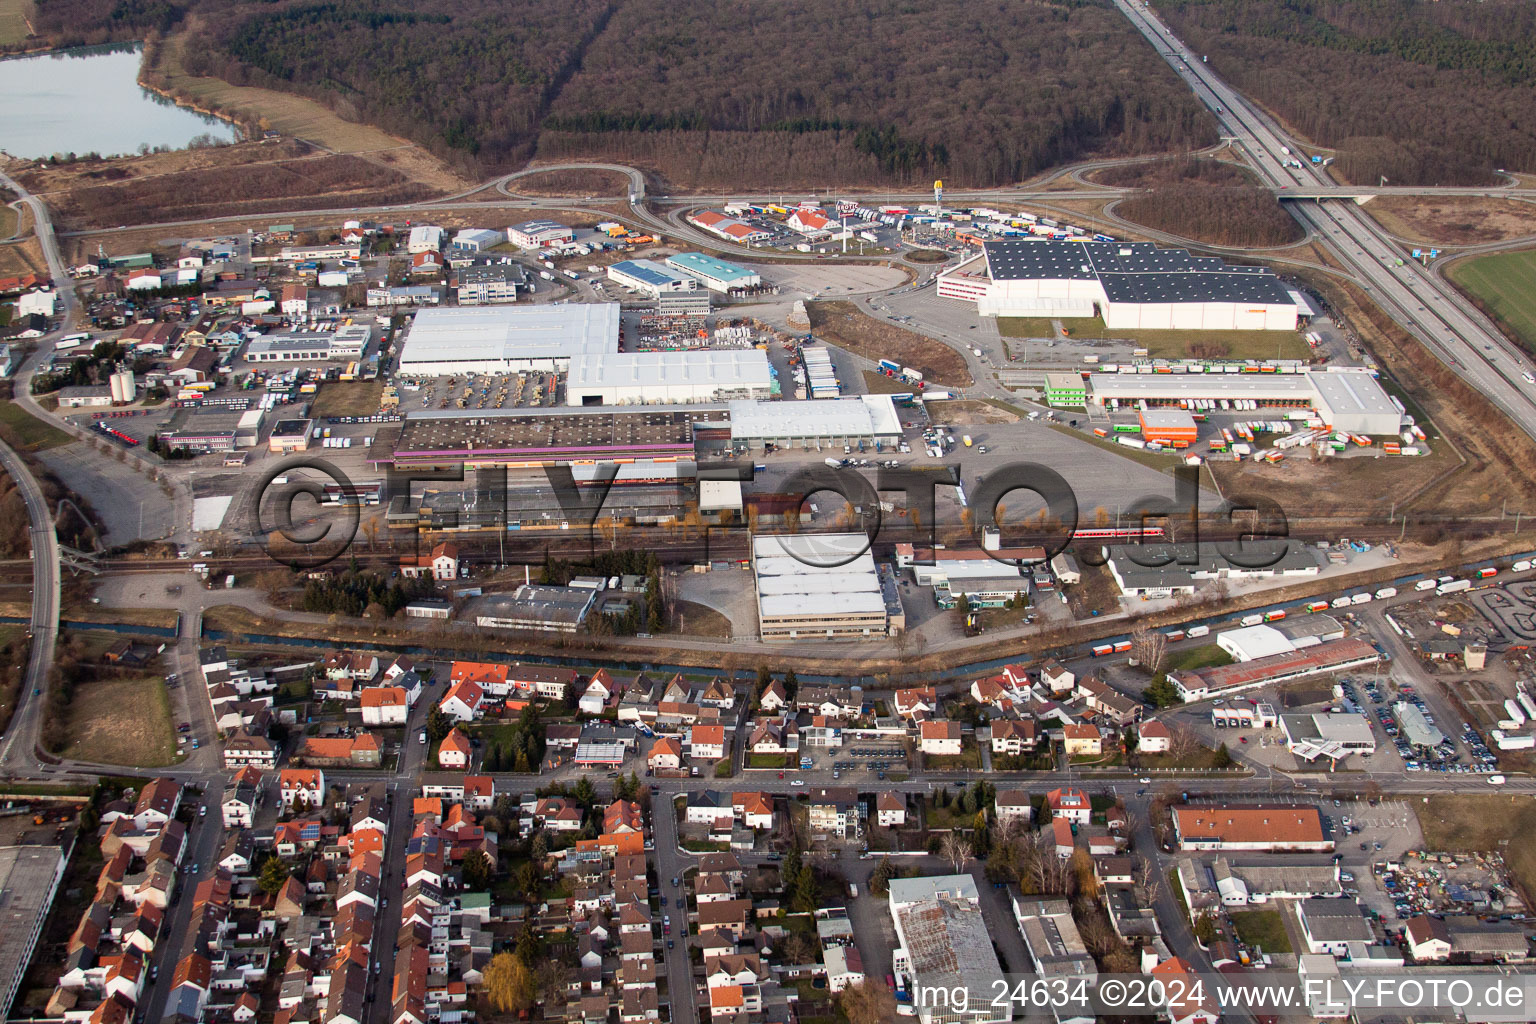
point(89, 100)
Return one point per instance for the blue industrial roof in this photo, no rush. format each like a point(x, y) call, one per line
point(645, 270)
point(698, 262)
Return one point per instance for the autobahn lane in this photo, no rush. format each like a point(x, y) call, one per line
point(1422, 303)
point(18, 751)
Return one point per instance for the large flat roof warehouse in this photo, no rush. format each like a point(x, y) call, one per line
point(1136, 285)
point(713, 271)
point(817, 584)
point(861, 416)
point(1171, 387)
point(1345, 398)
point(948, 947)
point(29, 877)
point(634, 378)
point(1343, 393)
point(1250, 826)
point(543, 436)
point(1333, 656)
point(506, 339)
point(646, 272)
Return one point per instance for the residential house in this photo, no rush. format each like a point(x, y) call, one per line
point(1072, 804)
point(916, 703)
point(1154, 738)
point(464, 701)
point(754, 808)
point(719, 694)
point(834, 810)
point(770, 736)
point(1014, 737)
point(1082, 739)
point(302, 787)
point(666, 755)
point(558, 813)
point(599, 690)
point(706, 742)
point(384, 705)
point(890, 809)
point(157, 803)
point(1056, 677)
point(941, 738)
point(455, 750)
point(773, 699)
point(1013, 805)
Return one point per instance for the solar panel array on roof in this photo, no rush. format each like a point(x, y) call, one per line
point(1134, 271)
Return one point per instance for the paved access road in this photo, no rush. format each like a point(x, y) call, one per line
point(26, 723)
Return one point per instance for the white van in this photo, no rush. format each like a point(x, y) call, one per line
point(1496, 780)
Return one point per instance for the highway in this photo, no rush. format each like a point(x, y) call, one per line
point(1418, 300)
point(26, 722)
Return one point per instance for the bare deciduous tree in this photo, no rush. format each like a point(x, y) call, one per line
point(1149, 648)
point(956, 849)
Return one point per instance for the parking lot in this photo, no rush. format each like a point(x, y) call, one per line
point(877, 758)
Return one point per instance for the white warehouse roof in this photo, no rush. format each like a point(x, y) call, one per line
point(855, 416)
point(477, 336)
point(1252, 642)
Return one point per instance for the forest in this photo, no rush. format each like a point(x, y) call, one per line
point(1206, 200)
point(1416, 92)
point(842, 92)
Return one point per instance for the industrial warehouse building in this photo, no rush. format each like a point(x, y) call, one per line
point(816, 423)
point(477, 239)
point(1254, 827)
point(536, 234)
point(819, 585)
point(582, 340)
point(1066, 391)
point(544, 609)
point(1319, 659)
point(1171, 570)
point(1132, 285)
point(943, 944)
point(650, 278)
point(635, 438)
point(1346, 398)
point(345, 342)
point(716, 275)
point(669, 378)
point(488, 283)
point(1168, 426)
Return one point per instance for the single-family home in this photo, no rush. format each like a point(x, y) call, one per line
point(455, 750)
point(941, 738)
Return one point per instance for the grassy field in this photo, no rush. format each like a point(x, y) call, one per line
point(31, 433)
point(844, 325)
point(1453, 220)
point(13, 21)
point(1467, 823)
point(1505, 283)
point(164, 617)
point(1263, 928)
point(348, 398)
point(122, 721)
point(1168, 344)
point(701, 620)
point(292, 115)
point(1206, 656)
point(9, 219)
